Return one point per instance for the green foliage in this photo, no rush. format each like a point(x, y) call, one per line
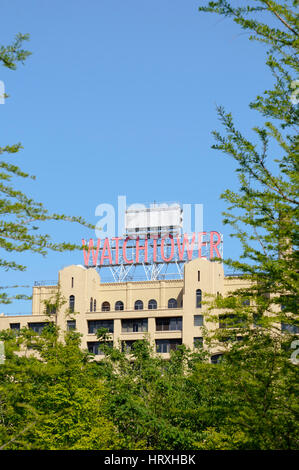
point(48, 398)
point(264, 212)
point(55, 396)
point(147, 396)
point(248, 401)
point(12, 54)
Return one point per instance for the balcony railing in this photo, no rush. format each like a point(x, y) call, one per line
point(45, 283)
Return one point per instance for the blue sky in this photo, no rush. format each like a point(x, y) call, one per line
point(119, 98)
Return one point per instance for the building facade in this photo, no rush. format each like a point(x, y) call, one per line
point(167, 312)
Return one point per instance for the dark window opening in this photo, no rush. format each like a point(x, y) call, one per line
point(119, 305)
point(127, 346)
point(172, 303)
point(152, 304)
point(105, 307)
point(216, 358)
point(134, 325)
point(290, 328)
point(50, 309)
point(198, 342)
point(198, 298)
point(97, 347)
point(72, 303)
point(230, 321)
point(167, 345)
point(71, 325)
point(169, 324)
point(198, 320)
point(138, 305)
point(95, 325)
point(37, 326)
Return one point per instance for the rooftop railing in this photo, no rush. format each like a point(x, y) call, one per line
point(45, 283)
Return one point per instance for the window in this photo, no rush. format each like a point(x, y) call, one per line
point(72, 282)
point(127, 346)
point(72, 303)
point(169, 324)
point(152, 304)
point(167, 345)
point(71, 325)
point(198, 342)
point(293, 329)
point(37, 326)
point(246, 302)
point(138, 305)
point(172, 303)
point(216, 358)
point(91, 304)
point(198, 320)
point(119, 305)
point(198, 275)
point(230, 321)
point(96, 347)
point(134, 325)
point(94, 305)
point(50, 309)
point(198, 298)
point(95, 325)
point(15, 326)
point(105, 307)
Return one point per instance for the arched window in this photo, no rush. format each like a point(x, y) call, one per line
point(198, 298)
point(119, 305)
point(105, 307)
point(72, 303)
point(152, 304)
point(91, 304)
point(172, 303)
point(94, 305)
point(138, 305)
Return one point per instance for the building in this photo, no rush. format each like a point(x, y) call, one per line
point(169, 312)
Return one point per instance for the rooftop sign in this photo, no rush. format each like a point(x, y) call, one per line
point(168, 248)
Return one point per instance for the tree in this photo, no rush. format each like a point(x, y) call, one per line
point(264, 212)
point(258, 408)
point(249, 400)
point(246, 401)
point(149, 398)
point(50, 398)
point(21, 216)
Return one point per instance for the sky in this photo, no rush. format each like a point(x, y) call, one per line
point(119, 98)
